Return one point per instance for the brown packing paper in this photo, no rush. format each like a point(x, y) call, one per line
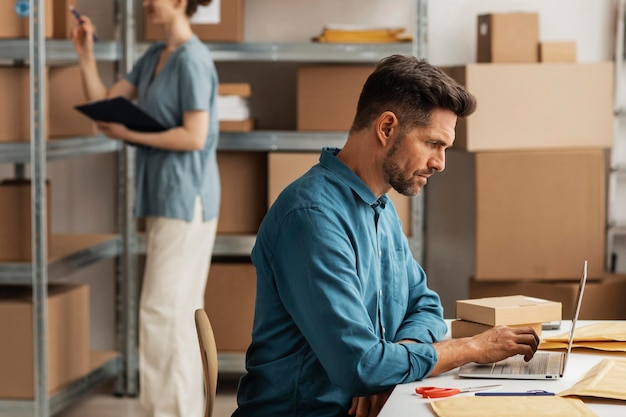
point(511, 407)
point(607, 332)
point(604, 380)
point(609, 337)
point(604, 346)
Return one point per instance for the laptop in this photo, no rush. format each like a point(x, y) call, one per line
point(543, 365)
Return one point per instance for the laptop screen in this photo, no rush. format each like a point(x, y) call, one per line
point(579, 301)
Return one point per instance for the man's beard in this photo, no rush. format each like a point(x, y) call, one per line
point(405, 186)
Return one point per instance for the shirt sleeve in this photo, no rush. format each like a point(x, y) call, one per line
point(196, 83)
point(317, 281)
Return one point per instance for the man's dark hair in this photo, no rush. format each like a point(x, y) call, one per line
point(192, 6)
point(411, 88)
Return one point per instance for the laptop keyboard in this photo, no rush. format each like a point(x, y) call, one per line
point(541, 363)
point(517, 365)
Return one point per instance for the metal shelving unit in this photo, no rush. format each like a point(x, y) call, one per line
point(616, 216)
point(37, 52)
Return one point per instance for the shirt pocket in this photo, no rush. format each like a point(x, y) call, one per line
point(399, 277)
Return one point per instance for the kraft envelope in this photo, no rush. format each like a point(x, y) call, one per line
point(511, 407)
point(607, 379)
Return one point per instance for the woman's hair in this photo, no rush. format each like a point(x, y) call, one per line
point(192, 6)
point(411, 88)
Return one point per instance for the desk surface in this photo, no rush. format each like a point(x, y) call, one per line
point(404, 402)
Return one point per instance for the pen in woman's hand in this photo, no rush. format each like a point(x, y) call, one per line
point(79, 19)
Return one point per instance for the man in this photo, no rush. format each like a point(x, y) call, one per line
point(343, 312)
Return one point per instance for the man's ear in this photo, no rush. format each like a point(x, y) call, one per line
point(386, 125)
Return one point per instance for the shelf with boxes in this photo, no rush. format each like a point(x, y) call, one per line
point(616, 201)
point(534, 162)
point(48, 361)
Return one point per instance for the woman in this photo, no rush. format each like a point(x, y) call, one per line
point(177, 190)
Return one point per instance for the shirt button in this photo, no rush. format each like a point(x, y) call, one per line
point(384, 330)
point(380, 253)
point(380, 292)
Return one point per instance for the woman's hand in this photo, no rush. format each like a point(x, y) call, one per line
point(114, 130)
point(82, 36)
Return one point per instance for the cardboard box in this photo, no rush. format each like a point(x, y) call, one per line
point(65, 92)
point(244, 191)
point(507, 37)
point(234, 89)
point(236, 125)
point(463, 328)
point(603, 300)
point(229, 28)
point(285, 167)
point(539, 215)
point(15, 220)
point(536, 106)
point(563, 52)
point(15, 21)
point(327, 96)
point(68, 338)
point(15, 104)
point(229, 303)
point(508, 310)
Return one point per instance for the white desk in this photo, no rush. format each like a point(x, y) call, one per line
point(404, 402)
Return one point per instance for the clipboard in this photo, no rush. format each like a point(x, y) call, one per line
point(123, 111)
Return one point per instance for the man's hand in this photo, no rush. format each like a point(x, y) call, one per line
point(368, 406)
point(501, 342)
point(490, 346)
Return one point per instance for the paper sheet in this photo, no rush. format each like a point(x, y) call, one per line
point(511, 407)
point(604, 380)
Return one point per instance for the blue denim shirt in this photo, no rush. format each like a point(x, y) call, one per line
point(167, 182)
point(337, 285)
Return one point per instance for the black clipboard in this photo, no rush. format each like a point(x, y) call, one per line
point(123, 111)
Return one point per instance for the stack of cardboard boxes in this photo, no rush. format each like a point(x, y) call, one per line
point(477, 315)
point(539, 140)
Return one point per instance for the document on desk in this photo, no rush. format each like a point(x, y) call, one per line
point(604, 380)
point(511, 407)
point(599, 336)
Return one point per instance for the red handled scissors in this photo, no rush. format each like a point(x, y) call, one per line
point(437, 392)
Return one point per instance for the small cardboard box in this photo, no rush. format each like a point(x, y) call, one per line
point(15, 21)
point(508, 310)
point(463, 328)
point(507, 37)
point(603, 299)
point(68, 338)
point(15, 104)
point(15, 220)
point(235, 89)
point(221, 21)
point(537, 216)
point(65, 92)
point(243, 178)
point(285, 167)
point(229, 303)
point(536, 106)
point(327, 96)
point(564, 52)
